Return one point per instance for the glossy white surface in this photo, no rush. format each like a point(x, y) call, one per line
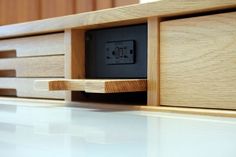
point(76, 132)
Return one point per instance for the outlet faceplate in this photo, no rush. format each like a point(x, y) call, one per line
point(120, 52)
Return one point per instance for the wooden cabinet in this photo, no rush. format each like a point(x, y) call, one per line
point(198, 61)
point(191, 51)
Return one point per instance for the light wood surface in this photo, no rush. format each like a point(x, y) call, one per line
point(64, 84)
point(198, 62)
point(93, 85)
point(51, 44)
point(133, 13)
point(153, 63)
point(49, 66)
point(25, 88)
point(75, 57)
point(115, 86)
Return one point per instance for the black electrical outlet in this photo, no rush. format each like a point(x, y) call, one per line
point(120, 52)
point(117, 52)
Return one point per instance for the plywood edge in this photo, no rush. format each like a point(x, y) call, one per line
point(161, 8)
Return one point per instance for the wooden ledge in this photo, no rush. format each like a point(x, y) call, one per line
point(137, 12)
point(93, 85)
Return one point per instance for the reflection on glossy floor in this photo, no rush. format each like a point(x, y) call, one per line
point(75, 132)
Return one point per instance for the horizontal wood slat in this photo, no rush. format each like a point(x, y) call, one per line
point(48, 66)
point(198, 61)
point(138, 12)
point(25, 88)
point(94, 86)
point(34, 46)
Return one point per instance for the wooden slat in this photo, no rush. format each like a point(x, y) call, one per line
point(84, 6)
point(15, 11)
point(34, 46)
point(55, 85)
point(153, 74)
point(75, 57)
point(137, 12)
point(49, 66)
point(54, 8)
point(94, 86)
point(198, 62)
point(25, 88)
point(104, 4)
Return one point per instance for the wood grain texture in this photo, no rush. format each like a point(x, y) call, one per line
point(153, 67)
point(104, 4)
point(50, 66)
point(15, 11)
point(64, 84)
point(75, 57)
point(94, 86)
point(33, 46)
point(115, 86)
point(84, 5)
point(198, 62)
point(54, 8)
point(133, 13)
point(25, 88)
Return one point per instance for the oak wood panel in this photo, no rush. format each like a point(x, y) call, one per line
point(33, 46)
point(54, 8)
point(94, 85)
point(65, 84)
point(75, 57)
point(116, 86)
point(137, 12)
point(14, 11)
point(50, 66)
point(198, 62)
point(153, 67)
point(25, 88)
